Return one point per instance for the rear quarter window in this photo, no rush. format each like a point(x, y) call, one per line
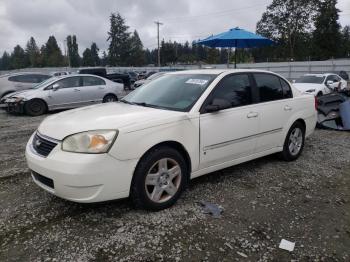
point(269, 87)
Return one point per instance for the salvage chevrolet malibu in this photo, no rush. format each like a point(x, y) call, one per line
point(175, 128)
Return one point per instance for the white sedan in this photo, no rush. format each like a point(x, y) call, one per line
point(320, 84)
point(175, 128)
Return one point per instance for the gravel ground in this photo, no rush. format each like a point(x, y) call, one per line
point(265, 200)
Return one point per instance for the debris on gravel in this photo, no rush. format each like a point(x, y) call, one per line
point(306, 201)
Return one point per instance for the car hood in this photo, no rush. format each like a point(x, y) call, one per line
point(302, 87)
point(106, 116)
point(23, 93)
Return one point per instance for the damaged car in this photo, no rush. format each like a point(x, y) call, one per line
point(63, 92)
point(182, 125)
point(320, 84)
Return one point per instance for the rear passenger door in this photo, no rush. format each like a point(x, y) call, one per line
point(275, 107)
point(93, 89)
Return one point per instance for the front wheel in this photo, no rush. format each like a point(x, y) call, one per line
point(35, 107)
point(294, 143)
point(159, 179)
point(109, 98)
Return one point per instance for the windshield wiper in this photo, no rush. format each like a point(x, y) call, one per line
point(126, 102)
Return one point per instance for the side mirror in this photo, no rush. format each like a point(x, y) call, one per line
point(55, 87)
point(217, 105)
point(329, 82)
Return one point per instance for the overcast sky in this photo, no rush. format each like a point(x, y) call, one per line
point(89, 19)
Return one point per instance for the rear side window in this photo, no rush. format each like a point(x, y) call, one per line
point(287, 91)
point(236, 89)
point(269, 87)
point(69, 82)
point(93, 81)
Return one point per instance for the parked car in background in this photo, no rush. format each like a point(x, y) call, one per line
point(139, 83)
point(115, 77)
point(177, 127)
point(63, 92)
point(133, 76)
point(10, 83)
point(60, 73)
point(320, 84)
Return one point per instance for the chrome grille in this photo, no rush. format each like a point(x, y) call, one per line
point(43, 146)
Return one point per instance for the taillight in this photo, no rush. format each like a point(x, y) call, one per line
point(316, 103)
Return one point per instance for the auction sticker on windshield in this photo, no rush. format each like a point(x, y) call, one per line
point(201, 82)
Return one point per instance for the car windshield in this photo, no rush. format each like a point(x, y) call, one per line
point(45, 83)
point(311, 79)
point(177, 92)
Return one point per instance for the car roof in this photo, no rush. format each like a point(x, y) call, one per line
point(219, 71)
point(26, 73)
point(320, 75)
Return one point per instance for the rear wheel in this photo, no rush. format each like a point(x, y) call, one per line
point(294, 142)
point(109, 98)
point(35, 107)
point(159, 179)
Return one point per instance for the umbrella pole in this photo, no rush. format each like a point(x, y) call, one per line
point(235, 57)
point(235, 54)
point(228, 57)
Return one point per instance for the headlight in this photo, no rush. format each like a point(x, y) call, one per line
point(18, 99)
point(310, 90)
point(93, 142)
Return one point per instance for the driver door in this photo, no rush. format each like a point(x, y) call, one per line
point(67, 95)
point(230, 133)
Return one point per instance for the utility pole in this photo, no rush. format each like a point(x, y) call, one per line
point(158, 24)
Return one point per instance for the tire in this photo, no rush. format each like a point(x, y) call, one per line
point(294, 142)
point(35, 107)
point(109, 98)
point(155, 189)
point(319, 94)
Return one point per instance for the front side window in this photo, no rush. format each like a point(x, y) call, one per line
point(93, 81)
point(69, 82)
point(177, 92)
point(269, 87)
point(235, 89)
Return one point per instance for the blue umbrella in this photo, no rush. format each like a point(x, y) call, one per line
point(236, 37)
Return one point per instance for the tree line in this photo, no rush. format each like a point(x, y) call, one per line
point(302, 30)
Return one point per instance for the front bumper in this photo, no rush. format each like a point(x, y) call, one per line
point(79, 177)
point(13, 107)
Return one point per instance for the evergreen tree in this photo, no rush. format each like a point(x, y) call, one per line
point(73, 51)
point(104, 60)
point(136, 55)
point(87, 58)
point(327, 36)
point(52, 55)
point(94, 55)
point(33, 53)
point(118, 37)
point(19, 59)
point(346, 42)
point(5, 61)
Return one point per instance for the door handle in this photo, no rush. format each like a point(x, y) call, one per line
point(252, 114)
point(76, 90)
point(287, 108)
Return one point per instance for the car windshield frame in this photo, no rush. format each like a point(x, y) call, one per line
point(144, 95)
point(307, 79)
point(45, 83)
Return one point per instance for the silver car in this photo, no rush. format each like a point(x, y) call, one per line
point(10, 83)
point(141, 82)
point(63, 92)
